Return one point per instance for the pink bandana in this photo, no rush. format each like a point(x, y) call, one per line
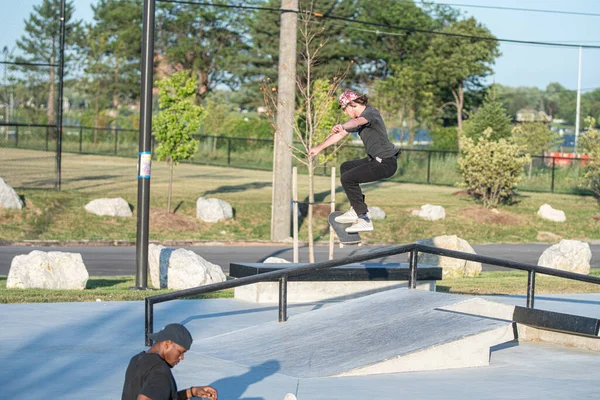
point(347, 97)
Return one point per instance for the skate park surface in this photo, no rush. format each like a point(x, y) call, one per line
point(81, 350)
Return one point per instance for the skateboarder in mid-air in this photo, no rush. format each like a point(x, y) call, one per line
point(381, 162)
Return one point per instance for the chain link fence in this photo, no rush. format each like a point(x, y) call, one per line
point(28, 158)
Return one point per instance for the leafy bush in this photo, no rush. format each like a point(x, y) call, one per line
point(591, 146)
point(491, 169)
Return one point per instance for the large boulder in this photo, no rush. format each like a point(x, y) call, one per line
point(568, 255)
point(116, 207)
point(47, 270)
point(430, 212)
point(213, 210)
point(547, 212)
point(180, 268)
point(451, 267)
point(376, 213)
point(8, 197)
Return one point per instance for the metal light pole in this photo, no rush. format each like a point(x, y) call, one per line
point(578, 102)
point(145, 147)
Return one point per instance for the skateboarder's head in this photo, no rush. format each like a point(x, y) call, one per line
point(351, 98)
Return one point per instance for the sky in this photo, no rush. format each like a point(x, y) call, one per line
point(519, 64)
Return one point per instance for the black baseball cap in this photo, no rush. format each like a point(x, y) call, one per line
point(176, 333)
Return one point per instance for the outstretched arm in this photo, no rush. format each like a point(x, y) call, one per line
point(333, 138)
point(352, 124)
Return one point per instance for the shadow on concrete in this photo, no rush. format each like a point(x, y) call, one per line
point(233, 387)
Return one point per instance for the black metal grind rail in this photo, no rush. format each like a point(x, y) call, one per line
point(414, 248)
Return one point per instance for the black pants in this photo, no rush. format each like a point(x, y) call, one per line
point(364, 170)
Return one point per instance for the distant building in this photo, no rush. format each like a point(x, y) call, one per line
point(528, 114)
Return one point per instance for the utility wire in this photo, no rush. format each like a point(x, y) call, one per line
point(329, 16)
point(507, 8)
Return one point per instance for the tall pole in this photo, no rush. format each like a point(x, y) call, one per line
point(145, 143)
point(61, 78)
point(284, 133)
point(578, 102)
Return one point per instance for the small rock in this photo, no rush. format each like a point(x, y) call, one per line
point(430, 212)
point(547, 212)
point(213, 210)
point(376, 213)
point(116, 207)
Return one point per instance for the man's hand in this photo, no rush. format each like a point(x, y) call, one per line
point(314, 151)
point(338, 128)
point(206, 392)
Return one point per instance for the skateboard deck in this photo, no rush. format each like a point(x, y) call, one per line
point(340, 230)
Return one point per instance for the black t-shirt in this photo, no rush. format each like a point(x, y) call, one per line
point(374, 135)
point(150, 375)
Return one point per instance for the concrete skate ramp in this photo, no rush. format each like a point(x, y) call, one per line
point(393, 331)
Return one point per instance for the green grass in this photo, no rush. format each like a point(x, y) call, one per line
point(53, 215)
point(116, 288)
point(119, 288)
point(515, 282)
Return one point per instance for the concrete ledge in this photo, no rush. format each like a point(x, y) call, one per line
point(339, 283)
point(307, 292)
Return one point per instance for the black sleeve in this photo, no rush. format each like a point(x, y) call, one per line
point(157, 385)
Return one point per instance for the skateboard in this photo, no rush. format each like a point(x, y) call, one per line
point(340, 231)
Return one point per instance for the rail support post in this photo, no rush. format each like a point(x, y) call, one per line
point(412, 266)
point(530, 288)
point(283, 299)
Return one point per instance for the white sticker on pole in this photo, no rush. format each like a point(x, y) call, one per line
point(145, 162)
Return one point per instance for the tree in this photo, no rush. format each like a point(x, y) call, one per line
point(535, 138)
point(459, 63)
point(207, 40)
point(97, 79)
point(40, 44)
point(118, 29)
point(491, 115)
point(179, 117)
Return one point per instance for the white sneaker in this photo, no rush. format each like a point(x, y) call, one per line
point(349, 217)
point(361, 225)
point(289, 396)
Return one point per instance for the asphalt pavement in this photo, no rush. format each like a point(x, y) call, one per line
point(120, 260)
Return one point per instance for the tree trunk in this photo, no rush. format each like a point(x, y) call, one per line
point(170, 185)
point(459, 99)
